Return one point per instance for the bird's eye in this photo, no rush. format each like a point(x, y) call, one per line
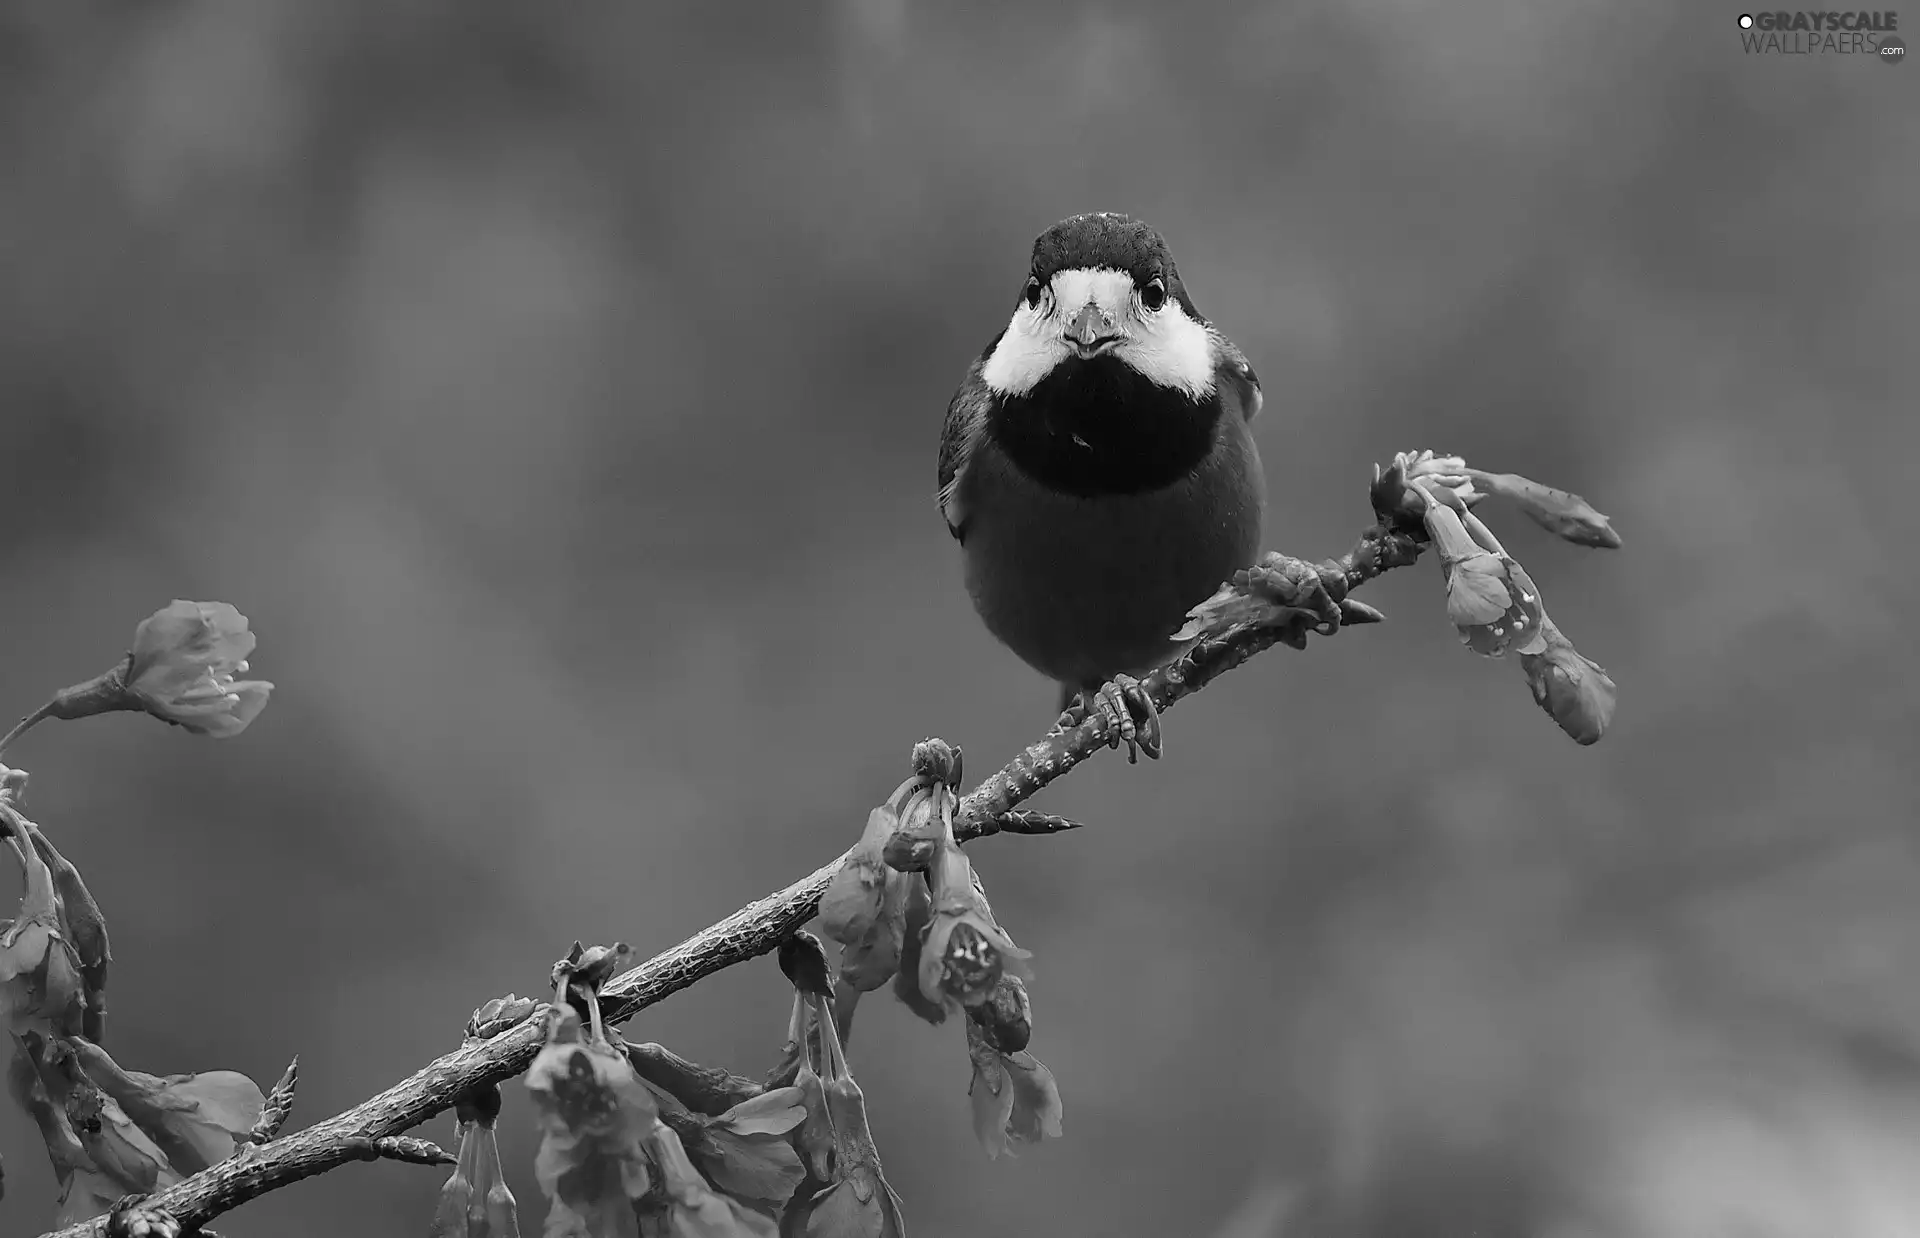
point(1034, 290)
point(1154, 295)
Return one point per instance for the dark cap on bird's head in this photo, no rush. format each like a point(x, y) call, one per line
point(1108, 240)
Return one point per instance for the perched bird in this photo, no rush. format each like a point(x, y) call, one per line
point(1098, 469)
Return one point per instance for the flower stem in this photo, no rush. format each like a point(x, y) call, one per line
point(27, 724)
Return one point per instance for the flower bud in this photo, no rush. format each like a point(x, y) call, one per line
point(938, 760)
point(499, 1014)
point(1006, 1017)
point(703, 1089)
point(1576, 691)
point(803, 960)
point(1559, 512)
point(925, 820)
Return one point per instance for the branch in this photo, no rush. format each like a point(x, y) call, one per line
point(755, 929)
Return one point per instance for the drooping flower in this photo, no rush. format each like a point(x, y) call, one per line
point(1015, 1099)
point(858, 1203)
point(41, 985)
point(120, 1158)
point(475, 1202)
point(594, 1117)
point(196, 1119)
point(82, 923)
point(813, 1138)
point(965, 952)
point(745, 1151)
point(84, 1191)
point(686, 1207)
point(863, 906)
point(1490, 598)
point(906, 981)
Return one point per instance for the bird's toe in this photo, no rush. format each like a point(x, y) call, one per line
point(1131, 716)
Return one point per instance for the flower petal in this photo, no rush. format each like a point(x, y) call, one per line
point(187, 637)
point(1037, 1110)
point(770, 1113)
point(1477, 590)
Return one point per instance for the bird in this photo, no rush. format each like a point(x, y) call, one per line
point(1098, 468)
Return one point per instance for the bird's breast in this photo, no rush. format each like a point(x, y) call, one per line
point(1084, 586)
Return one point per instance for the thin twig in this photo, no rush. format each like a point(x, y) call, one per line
point(755, 929)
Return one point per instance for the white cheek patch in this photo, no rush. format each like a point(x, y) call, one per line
point(1171, 349)
point(1026, 353)
point(1165, 346)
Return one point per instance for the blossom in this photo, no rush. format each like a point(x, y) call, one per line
point(594, 1114)
point(744, 1151)
point(475, 1202)
point(81, 923)
point(813, 1138)
point(1490, 599)
point(196, 1119)
point(854, 899)
point(858, 1203)
point(687, 1207)
point(118, 1158)
point(864, 906)
point(41, 983)
point(906, 981)
point(964, 953)
point(182, 667)
point(1014, 1096)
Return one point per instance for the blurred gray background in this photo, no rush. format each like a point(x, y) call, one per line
point(557, 392)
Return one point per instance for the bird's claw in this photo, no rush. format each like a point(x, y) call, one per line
point(1131, 718)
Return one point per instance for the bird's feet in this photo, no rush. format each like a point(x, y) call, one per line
point(1131, 718)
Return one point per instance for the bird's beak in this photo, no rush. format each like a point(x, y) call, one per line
point(1092, 331)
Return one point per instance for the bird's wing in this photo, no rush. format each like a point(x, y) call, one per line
point(966, 423)
point(1240, 376)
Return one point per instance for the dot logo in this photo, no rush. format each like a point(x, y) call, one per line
point(1746, 21)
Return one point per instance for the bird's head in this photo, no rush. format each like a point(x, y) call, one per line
point(1103, 290)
